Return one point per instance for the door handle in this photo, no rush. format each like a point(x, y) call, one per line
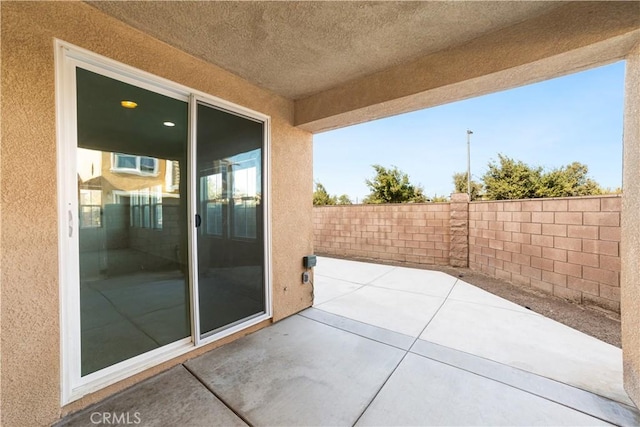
point(70, 224)
point(198, 220)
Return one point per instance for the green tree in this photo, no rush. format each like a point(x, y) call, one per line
point(567, 181)
point(344, 200)
point(511, 179)
point(321, 197)
point(392, 186)
point(609, 190)
point(460, 185)
point(439, 199)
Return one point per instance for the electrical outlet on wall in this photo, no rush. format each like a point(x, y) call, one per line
point(306, 277)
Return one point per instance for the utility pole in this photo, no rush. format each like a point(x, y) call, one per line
point(469, 163)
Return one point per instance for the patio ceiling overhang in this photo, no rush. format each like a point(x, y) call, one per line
point(349, 62)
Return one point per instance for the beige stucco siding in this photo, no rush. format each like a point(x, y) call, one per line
point(574, 37)
point(30, 357)
point(630, 243)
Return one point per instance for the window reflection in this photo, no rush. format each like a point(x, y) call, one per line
point(230, 241)
point(137, 165)
point(134, 295)
point(131, 261)
point(90, 207)
point(230, 196)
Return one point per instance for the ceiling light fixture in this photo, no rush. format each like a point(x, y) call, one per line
point(169, 124)
point(128, 104)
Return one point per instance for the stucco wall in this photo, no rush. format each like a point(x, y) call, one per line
point(571, 38)
point(631, 230)
point(30, 338)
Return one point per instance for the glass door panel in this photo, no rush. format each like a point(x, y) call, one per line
point(230, 227)
point(131, 157)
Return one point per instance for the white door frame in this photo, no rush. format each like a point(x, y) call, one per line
point(67, 58)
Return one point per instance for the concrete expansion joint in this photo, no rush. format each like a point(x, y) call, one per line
point(217, 395)
point(584, 401)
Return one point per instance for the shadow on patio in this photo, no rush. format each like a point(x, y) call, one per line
point(388, 345)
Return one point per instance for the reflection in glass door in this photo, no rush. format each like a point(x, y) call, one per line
point(141, 281)
point(131, 157)
point(229, 219)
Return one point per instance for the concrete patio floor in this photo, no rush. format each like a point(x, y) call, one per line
point(389, 346)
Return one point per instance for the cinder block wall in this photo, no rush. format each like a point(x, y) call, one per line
point(567, 246)
point(415, 233)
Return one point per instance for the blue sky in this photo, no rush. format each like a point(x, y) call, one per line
point(573, 118)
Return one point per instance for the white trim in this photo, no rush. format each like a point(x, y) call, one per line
point(64, 218)
point(114, 373)
point(67, 57)
point(266, 199)
point(192, 210)
point(229, 107)
point(128, 74)
point(213, 102)
point(122, 72)
point(226, 331)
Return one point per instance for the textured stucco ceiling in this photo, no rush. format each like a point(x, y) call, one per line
point(297, 49)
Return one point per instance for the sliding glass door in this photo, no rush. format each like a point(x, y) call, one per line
point(132, 220)
point(229, 218)
point(163, 220)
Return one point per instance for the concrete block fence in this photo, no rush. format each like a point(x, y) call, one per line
point(569, 247)
point(416, 233)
